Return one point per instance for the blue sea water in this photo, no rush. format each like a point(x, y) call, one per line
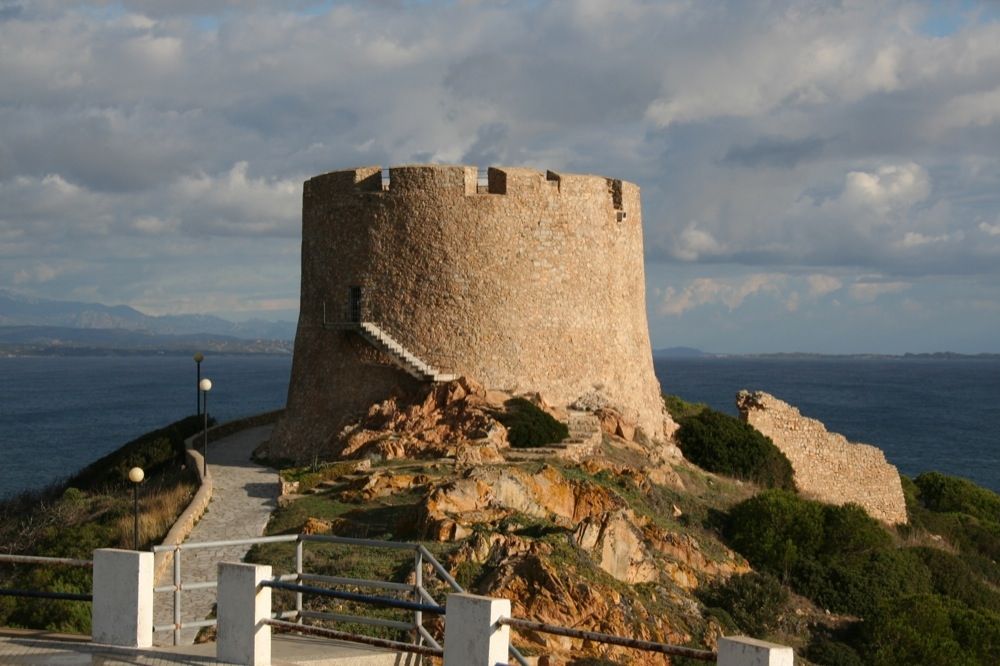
point(58, 414)
point(925, 414)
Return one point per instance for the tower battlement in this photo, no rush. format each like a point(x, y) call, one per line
point(525, 280)
point(417, 180)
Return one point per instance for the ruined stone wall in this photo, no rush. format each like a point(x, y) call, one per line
point(532, 283)
point(827, 466)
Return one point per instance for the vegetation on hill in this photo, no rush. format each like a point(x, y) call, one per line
point(92, 509)
point(911, 595)
point(529, 426)
point(722, 444)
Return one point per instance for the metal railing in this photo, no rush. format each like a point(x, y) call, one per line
point(610, 639)
point(434, 650)
point(351, 316)
point(50, 561)
point(421, 598)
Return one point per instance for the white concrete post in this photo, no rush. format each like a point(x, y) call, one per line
point(122, 610)
point(472, 636)
point(743, 651)
point(242, 607)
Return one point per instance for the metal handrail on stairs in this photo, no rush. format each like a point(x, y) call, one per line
point(352, 319)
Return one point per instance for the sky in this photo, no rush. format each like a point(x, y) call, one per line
point(816, 176)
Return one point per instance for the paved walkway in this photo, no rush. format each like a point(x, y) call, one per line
point(243, 497)
point(35, 648)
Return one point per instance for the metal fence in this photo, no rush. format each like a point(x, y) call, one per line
point(610, 639)
point(47, 561)
point(419, 595)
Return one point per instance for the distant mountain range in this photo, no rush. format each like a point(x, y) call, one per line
point(33, 325)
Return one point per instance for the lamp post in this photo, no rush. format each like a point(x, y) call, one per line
point(135, 475)
point(198, 358)
point(205, 385)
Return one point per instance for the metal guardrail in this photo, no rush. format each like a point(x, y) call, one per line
point(610, 639)
point(43, 594)
point(351, 316)
point(357, 638)
point(422, 599)
point(385, 602)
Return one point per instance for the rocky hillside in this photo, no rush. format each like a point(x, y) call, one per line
point(613, 533)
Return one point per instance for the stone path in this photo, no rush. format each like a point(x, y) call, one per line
point(243, 498)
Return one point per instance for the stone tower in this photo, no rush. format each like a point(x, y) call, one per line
point(530, 282)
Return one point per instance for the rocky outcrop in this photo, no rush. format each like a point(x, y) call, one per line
point(453, 419)
point(827, 466)
point(623, 422)
point(628, 547)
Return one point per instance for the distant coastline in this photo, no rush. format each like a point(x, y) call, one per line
point(75, 352)
point(691, 353)
point(69, 341)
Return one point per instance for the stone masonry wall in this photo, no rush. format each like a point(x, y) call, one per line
point(532, 283)
point(827, 466)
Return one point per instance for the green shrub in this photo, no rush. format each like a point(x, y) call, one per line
point(929, 629)
point(680, 408)
point(530, 426)
point(859, 583)
point(942, 493)
point(828, 652)
point(952, 576)
point(725, 445)
point(838, 556)
point(151, 451)
point(753, 601)
point(775, 529)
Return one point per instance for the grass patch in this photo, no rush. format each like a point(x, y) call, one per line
point(311, 476)
point(680, 408)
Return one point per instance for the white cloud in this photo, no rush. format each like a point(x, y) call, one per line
point(868, 292)
point(980, 108)
point(712, 291)
point(990, 229)
point(888, 187)
point(821, 285)
point(235, 203)
point(913, 239)
point(695, 243)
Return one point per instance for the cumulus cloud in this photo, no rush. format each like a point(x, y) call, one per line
point(886, 188)
point(233, 203)
point(711, 291)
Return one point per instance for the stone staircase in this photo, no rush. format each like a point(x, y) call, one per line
point(584, 440)
point(406, 360)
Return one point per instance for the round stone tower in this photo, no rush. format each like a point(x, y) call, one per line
point(530, 282)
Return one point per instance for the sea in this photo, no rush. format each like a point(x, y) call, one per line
point(59, 413)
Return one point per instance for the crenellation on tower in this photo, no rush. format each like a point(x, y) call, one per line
point(425, 180)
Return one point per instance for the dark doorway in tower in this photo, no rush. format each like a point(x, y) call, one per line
point(354, 304)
